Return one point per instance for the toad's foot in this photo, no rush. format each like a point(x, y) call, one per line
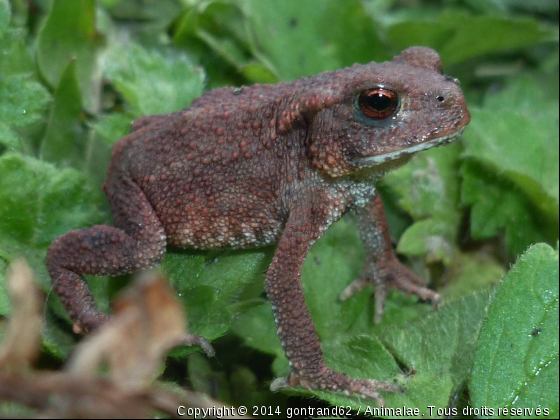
point(333, 381)
point(196, 340)
point(389, 275)
point(89, 323)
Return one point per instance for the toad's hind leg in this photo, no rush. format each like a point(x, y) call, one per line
point(136, 242)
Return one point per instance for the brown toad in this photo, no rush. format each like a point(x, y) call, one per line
point(270, 164)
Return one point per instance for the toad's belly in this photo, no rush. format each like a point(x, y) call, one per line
point(225, 221)
point(221, 232)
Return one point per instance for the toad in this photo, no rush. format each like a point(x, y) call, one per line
point(270, 164)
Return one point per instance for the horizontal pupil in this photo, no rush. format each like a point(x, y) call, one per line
point(379, 101)
point(378, 104)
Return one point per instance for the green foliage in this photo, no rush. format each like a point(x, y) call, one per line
point(64, 141)
point(5, 304)
point(4, 15)
point(23, 100)
point(447, 340)
point(460, 36)
point(69, 33)
point(16, 58)
point(153, 83)
point(220, 25)
point(268, 41)
point(39, 202)
point(511, 170)
point(516, 360)
point(150, 82)
point(428, 188)
point(211, 286)
point(17, 109)
point(75, 74)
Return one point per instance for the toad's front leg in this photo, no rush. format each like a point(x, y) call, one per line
point(382, 268)
point(293, 320)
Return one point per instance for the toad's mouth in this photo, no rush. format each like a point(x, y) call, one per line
point(370, 161)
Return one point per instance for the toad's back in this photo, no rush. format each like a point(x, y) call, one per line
point(211, 171)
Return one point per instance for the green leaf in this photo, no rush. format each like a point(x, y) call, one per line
point(217, 29)
point(22, 104)
point(293, 42)
point(5, 303)
point(15, 410)
point(229, 272)
point(541, 6)
point(458, 36)
point(258, 73)
point(22, 101)
point(497, 206)
point(146, 21)
point(512, 173)
point(208, 314)
point(64, 140)
point(428, 189)
point(38, 203)
point(58, 339)
point(8, 138)
point(352, 33)
point(266, 40)
point(112, 127)
point(151, 82)
point(69, 34)
point(482, 35)
point(430, 32)
point(110, 3)
point(516, 361)
point(440, 349)
point(4, 15)
point(473, 273)
point(499, 141)
point(431, 238)
point(210, 286)
point(335, 260)
point(429, 180)
point(256, 328)
point(287, 36)
point(469, 273)
point(16, 59)
point(205, 380)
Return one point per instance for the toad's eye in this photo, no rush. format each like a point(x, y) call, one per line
point(378, 103)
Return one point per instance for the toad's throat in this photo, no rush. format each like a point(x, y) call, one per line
point(370, 161)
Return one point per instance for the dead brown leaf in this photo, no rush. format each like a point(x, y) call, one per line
point(23, 342)
point(148, 321)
